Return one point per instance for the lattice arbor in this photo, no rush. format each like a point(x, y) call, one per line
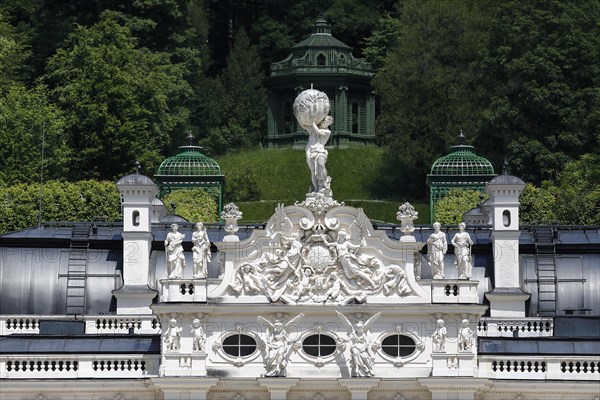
point(327, 64)
point(190, 169)
point(460, 168)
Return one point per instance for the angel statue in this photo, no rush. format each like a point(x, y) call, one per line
point(278, 345)
point(361, 346)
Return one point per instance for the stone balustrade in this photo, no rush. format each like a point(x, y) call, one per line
point(78, 366)
point(93, 324)
point(522, 327)
point(183, 290)
point(542, 368)
point(454, 291)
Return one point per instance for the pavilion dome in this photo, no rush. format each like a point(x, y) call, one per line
point(189, 162)
point(462, 161)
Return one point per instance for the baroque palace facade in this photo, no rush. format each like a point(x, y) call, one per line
point(318, 303)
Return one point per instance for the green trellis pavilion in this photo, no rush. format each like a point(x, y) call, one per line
point(328, 65)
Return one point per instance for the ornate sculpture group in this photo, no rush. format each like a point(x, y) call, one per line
point(176, 257)
point(320, 264)
point(466, 336)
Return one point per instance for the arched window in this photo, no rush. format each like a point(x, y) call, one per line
point(287, 117)
point(319, 345)
point(135, 218)
point(239, 345)
point(398, 346)
point(321, 59)
point(506, 218)
point(354, 117)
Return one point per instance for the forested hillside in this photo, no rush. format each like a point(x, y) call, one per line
point(99, 84)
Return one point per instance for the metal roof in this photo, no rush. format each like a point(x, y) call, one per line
point(87, 344)
point(539, 346)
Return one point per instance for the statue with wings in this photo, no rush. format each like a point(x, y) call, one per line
point(278, 345)
point(361, 346)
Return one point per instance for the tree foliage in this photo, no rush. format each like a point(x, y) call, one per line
point(61, 201)
point(122, 102)
point(195, 205)
point(29, 122)
point(450, 209)
point(427, 88)
point(540, 65)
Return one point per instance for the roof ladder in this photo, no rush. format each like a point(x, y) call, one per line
point(77, 272)
point(545, 251)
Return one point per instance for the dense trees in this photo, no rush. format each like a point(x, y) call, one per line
point(108, 82)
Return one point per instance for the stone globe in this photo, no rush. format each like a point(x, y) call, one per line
point(310, 106)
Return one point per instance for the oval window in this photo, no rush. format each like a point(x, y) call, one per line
point(239, 345)
point(398, 345)
point(319, 345)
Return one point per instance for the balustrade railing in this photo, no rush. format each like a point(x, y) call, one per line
point(543, 367)
point(93, 324)
point(522, 327)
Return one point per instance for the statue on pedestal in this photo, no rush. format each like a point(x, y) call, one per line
point(465, 336)
point(198, 336)
point(437, 246)
point(174, 251)
point(200, 251)
point(173, 336)
point(462, 250)
point(439, 336)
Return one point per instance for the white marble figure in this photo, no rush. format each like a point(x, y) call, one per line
point(248, 280)
point(311, 108)
point(361, 346)
point(278, 346)
point(173, 336)
point(465, 336)
point(439, 336)
point(395, 281)
point(462, 250)
point(437, 246)
point(200, 251)
point(174, 252)
point(339, 292)
point(316, 155)
point(346, 247)
point(198, 336)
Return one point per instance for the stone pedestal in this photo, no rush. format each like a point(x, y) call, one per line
point(507, 302)
point(359, 388)
point(183, 290)
point(278, 387)
point(183, 364)
point(454, 291)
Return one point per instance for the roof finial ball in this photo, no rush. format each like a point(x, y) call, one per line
point(137, 167)
point(461, 137)
point(190, 137)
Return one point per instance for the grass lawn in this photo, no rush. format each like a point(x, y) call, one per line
point(283, 177)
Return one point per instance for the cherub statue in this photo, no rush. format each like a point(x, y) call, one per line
point(437, 246)
point(462, 250)
point(173, 336)
point(465, 336)
point(200, 251)
point(198, 336)
point(361, 360)
point(439, 336)
point(248, 280)
point(174, 252)
point(339, 292)
point(278, 345)
point(396, 279)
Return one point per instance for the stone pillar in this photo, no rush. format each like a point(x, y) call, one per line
point(341, 112)
point(506, 299)
point(455, 389)
point(370, 126)
point(359, 388)
point(185, 388)
point(278, 387)
point(138, 193)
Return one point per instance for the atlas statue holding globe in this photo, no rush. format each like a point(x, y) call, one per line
point(311, 108)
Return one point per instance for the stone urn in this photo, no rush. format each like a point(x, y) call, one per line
point(231, 214)
point(406, 215)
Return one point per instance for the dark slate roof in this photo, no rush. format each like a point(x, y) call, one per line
point(506, 180)
point(135, 179)
point(88, 344)
point(539, 346)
